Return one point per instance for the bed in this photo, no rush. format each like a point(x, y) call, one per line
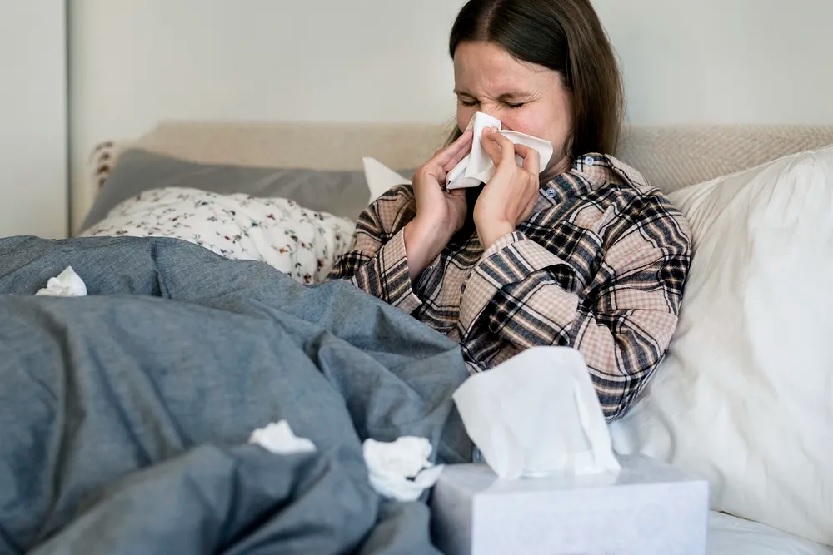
point(320, 167)
point(729, 535)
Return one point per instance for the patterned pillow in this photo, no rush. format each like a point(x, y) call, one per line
point(299, 242)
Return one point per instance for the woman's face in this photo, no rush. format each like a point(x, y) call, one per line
point(525, 97)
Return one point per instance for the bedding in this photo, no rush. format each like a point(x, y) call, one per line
point(380, 178)
point(341, 193)
point(729, 535)
point(745, 395)
point(125, 414)
point(299, 242)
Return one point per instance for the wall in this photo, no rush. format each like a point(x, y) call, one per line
point(135, 62)
point(33, 133)
point(724, 61)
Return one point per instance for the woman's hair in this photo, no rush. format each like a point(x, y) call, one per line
point(565, 36)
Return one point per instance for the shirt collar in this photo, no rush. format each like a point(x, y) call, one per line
point(592, 170)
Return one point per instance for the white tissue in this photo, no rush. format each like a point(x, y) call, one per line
point(400, 470)
point(278, 437)
point(537, 414)
point(66, 284)
point(477, 167)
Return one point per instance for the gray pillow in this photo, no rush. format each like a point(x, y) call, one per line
point(341, 193)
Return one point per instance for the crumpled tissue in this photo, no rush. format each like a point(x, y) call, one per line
point(65, 284)
point(477, 167)
point(400, 470)
point(278, 437)
point(537, 414)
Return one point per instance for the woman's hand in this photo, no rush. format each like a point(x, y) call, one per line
point(509, 197)
point(439, 213)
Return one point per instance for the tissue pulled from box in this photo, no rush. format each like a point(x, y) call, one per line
point(400, 469)
point(477, 167)
point(65, 284)
point(278, 437)
point(537, 414)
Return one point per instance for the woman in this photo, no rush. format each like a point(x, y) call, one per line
point(585, 254)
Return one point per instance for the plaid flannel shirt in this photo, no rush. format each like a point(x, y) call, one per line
point(599, 265)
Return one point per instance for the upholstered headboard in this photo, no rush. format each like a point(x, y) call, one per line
point(670, 156)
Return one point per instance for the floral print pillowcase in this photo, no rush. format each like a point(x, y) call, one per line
point(299, 242)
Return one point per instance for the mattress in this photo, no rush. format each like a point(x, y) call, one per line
point(729, 535)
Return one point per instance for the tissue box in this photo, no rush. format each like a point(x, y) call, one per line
point(647, 508)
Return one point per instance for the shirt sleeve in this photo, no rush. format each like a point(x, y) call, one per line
point(527, 296)
point(377, 262)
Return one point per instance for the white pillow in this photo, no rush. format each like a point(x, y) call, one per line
point(380, 178)
point(745, 395)
point(302, 243)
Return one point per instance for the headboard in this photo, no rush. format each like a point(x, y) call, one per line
point(669, 156)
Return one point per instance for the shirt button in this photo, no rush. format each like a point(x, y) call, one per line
point(588, 160)
point(550, 192)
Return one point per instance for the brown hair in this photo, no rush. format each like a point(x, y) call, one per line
point(565, 36)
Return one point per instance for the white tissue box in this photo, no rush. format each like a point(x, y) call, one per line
point(647, 508)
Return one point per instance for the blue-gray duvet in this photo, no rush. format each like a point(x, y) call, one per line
point(125, 415)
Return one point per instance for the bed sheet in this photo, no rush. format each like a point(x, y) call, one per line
point(729, 535)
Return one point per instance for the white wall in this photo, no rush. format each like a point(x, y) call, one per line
point(724, 61)
point(135, 62)
point(33, 153)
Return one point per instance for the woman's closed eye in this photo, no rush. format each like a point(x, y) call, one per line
point(510, 105)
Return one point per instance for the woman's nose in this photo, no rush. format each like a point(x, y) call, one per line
point(489, 109)
point(493, 110)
